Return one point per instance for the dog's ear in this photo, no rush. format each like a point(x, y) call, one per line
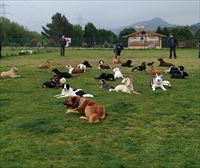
point(67, 86)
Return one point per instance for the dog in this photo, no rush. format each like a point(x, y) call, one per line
point(10, 73)
point(61, 74)
point(152, 71)
point(92, 112)
point(68, 91)
point(105, 85)
point(127, 87)
point(117, 73)
point(82, 66)
point(164, 64)
point(54, 82)
point(76, 70)
point(117, 60)
point(87, 64)
point(179, 74)
point(106, 76)
point(46, 65)
point(127, 64)
point(141, 67)
point(102, 65)
point(157, 82)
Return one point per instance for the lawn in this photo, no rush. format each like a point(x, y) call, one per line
point(152, 130)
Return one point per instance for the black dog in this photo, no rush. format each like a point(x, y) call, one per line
point(53, 83)
point(141, 67)
point(105, 85)
point(106, 76)
point(86, 63)
point(179, 74)
point(127, 64)
point(61, 74)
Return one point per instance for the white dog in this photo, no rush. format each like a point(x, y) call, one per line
point(117, 73)
point(127, 87)
point(68, 91)
point(157, 82)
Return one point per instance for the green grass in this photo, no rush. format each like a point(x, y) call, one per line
point(152, 130)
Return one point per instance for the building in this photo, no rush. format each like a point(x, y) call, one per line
point(144, 39)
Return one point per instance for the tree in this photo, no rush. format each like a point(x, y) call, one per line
point(77, 35)
point(106, 37)
point(182, 33)
point(197, 34)
point(90, 34)
point(59, 26)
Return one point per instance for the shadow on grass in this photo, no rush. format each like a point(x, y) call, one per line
point(40, 126)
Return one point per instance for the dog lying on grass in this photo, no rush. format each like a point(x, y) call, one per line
point(46, 65)
point(105, 85)
point(177, 73)
point(152, 71)
point(54, 82)
point(141, 67)
point(10, 73)
point(157, 82)
point(102, 65)
point(127, 87)
point(117, 60)
point(164, 64)
point(127, 64)
point(72, 70)
point(92, 112)
point(68, 91)
point(106, 76)
point(61, 74)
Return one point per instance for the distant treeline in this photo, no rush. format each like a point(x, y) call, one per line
point(13, 34)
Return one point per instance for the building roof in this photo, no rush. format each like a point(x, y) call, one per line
point(143, 34)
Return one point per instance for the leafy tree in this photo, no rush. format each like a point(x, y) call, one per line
point(59, 26)
point(105, 36)
point(91, 34)
point(197, 34)
point(182, 33)
point(77, 35)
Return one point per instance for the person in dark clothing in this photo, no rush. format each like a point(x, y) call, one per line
point(62, 43)
point(117, 49)
point(172, 42)
point(0, 47)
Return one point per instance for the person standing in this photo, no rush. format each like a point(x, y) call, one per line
point(117, 49)
point(172, 42)
point(62, 43)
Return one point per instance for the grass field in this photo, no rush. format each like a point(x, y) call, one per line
point(152, 130)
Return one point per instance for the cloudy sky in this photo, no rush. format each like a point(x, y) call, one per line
point(108, 14)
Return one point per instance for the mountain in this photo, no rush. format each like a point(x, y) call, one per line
point(194, 27)
point(148, 24)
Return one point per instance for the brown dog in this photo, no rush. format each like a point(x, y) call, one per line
point(117, 60)
point(46, 65)
point(152, 71)
point(93, 112)
point(164, 64)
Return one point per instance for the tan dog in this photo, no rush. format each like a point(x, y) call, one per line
point(46, 65)
point(10, 74)
point(75, 70)
point(117, 60)
point(93, 112)
point(152, 71)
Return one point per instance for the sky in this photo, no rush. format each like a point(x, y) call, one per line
point(107, 14)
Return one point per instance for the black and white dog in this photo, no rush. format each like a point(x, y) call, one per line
point(127, 64)
point(177, 73)
point(68, 91)
point(157, 82)
point(106, 76)
point(87, 64)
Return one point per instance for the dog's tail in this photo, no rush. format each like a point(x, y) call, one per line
point(88, 95)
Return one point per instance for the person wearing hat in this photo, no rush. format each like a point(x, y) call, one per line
point(62, 43)
point(172, 42)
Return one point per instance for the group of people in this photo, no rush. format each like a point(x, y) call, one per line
point(172, 43)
